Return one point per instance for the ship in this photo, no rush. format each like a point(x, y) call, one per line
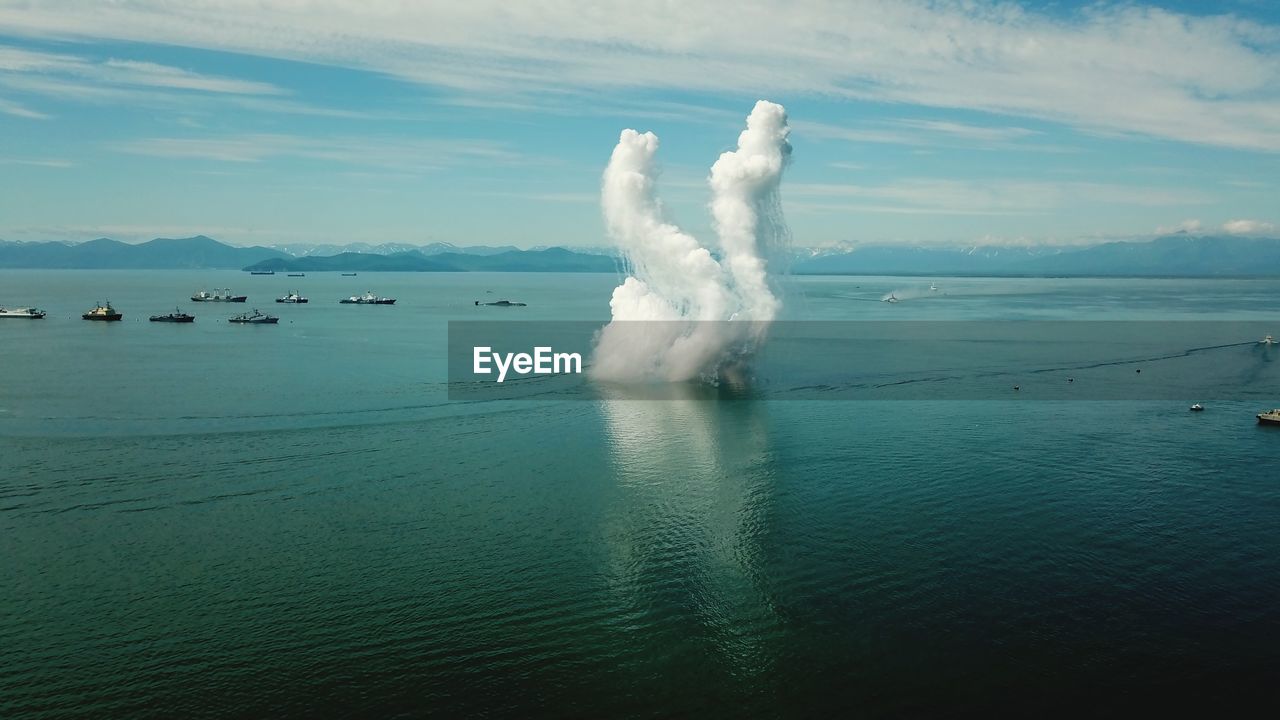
point(348, 274)
point(177, 316)
point(297, 274)
point(503, 303)
point(1269, 418)
point(103, 312)
point(367, 299)
point(1268, 340)
point(29, 313)
point(218, 295)
point(293, 298)
point(254, 318)
point(262, 272)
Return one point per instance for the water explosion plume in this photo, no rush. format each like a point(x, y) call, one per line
point(682, 313)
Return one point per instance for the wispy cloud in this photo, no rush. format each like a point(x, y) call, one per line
point(977, 197)
point(38, 162)
point(413, 154)
point(8, 107)
point(1110, 67)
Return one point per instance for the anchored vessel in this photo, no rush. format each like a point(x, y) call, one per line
point(218, 295)
point(1269, 418)
point(297, 274)
point(262, 272)
point(368, 299)
point(29, 313)
point(103, 312)
point(176, 316)
point(255, 318)
point(294, 297)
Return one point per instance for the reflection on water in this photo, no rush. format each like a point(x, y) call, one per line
point(696, 479)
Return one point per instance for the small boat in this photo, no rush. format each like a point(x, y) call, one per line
point(891, 299)
point(103, 312)
point(1197, 408)
point(502, 303)
point(1268, 340)
point(293, 298)
point(348, 274)
point(1269, 418)
point(367, 299)
point(218, 295)
point(29, 313)
point(262, 272)
point(933, 287)
point(176, 316)
point(297, 275)
point(254, 318)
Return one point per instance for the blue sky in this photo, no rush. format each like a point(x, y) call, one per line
point(339, 121)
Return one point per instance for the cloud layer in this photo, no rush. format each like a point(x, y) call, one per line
point(1109, 68)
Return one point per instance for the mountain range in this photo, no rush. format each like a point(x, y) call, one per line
point(1180, 255)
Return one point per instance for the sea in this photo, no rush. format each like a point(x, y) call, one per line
point(225, 521)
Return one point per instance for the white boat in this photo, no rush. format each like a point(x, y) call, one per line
point(1197, 407)
point(29, 313)
point(367, 299)
point(1268, 340)
point(1269, 418)
point(293, 298)
point(933, 287)
point(891, 299)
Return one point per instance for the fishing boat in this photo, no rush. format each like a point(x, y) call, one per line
point(177, 316)
point(254, 318)
point(293, 298)
point(1269, 418)
point(29, 313)
point(103, 312)
point(367, 299)
point(218, 295)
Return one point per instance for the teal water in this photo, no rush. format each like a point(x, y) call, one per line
point(224, 521)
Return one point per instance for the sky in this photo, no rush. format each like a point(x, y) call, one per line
point(490, 123)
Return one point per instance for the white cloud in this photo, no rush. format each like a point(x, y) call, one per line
point(1109, 68)
point(1247, 227)
point(115, 72)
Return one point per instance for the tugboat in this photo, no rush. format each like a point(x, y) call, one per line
point(218, 295)
point(254, 318)
point(503, 303)
point(293, 298)
point(368, 299)
point(1269, 418)
point(29, 313)
point(103, 312)
point(174, 317)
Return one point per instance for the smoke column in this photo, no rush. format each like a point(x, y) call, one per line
point(703, 313)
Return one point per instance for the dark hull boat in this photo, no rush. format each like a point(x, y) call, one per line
point(254, 318)
point(503, 303)
point(262, 272)
point(103, 313)
point(293, 298)
point(174, 317)
point(297, 274)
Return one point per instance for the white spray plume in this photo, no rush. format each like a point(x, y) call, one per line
point(681, 314)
